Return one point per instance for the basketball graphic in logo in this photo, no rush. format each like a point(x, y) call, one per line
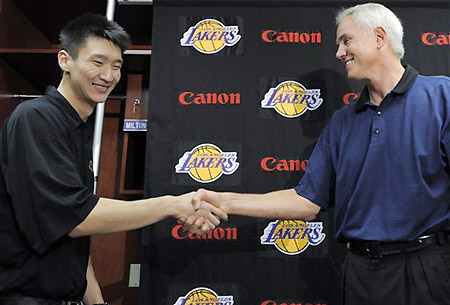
point(292, 237)
point(210, 36)
point(210, 46)
point(206, 163)
point(290, 90)
point(206, 173)
point(204, 296)
point(291, 99)
point(292, 245)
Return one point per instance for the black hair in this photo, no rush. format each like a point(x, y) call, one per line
point(75, 33)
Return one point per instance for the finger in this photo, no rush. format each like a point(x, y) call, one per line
point(200, 221)
point(205, 229)
point(196, 201)
point(201, 195)
point(219, 212)
point(212, 227)
point(191, 219)
point(189, 222)
point(213, 220)
point(197, 225)
point(181, 220)
point(205, 211)
point(212, 224)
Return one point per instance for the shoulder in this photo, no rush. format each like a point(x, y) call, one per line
point(435, 88)
point(38, 111)
point(36, 118)
point(433, 81)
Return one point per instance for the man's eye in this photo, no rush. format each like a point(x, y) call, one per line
point(98, 63)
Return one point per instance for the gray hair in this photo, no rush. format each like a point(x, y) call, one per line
point(369, 16)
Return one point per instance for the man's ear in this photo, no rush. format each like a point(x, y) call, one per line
point(380, 34)
point(63, 60)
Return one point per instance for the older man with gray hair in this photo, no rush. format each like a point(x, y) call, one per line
point(383, 163)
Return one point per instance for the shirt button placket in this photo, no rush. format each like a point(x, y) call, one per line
point(376, 126)
point(377, 130)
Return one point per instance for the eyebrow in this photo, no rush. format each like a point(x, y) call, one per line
point(98, 55)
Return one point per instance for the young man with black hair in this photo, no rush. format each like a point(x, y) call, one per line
point(47, 208)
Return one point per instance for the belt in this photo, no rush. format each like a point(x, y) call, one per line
point(380, 249)
point(26, 300)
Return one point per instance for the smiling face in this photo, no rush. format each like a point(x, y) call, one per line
point(356, 49)
point(94, 73)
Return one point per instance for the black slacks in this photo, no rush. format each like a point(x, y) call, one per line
point(420, 277)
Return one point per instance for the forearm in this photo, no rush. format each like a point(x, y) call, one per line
point(110, 215)
point(93, 294)
point(285, 204)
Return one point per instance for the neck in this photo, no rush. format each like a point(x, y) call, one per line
point(387, 76)
point(82, 107)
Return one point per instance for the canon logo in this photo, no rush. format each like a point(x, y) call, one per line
point(291, 37)
point(270, 164)
point(350, 98)
point(270, 302)
point(189, 98)
point(432, 39)
point(217, 234)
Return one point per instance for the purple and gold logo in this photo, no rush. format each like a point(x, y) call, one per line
point(204, 296)
point(292, 237)
point(206, 163)
point(210, 36)
point(291, 99)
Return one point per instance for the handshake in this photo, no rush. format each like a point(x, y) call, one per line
point(200, 212)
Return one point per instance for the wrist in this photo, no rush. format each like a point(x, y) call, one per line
point(173, 206)
point(226, 202)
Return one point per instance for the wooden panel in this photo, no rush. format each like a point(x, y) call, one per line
point(108, 251)
point(11, 83)
point(13, 22)
point(135, 107)
point(53, 50)
point(112, 254)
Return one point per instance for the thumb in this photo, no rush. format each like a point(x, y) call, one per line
point(198, 197)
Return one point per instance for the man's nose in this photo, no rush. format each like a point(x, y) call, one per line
point(340, 53)
point(107, 74)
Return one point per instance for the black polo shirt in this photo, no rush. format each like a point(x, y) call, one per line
point(46, 186)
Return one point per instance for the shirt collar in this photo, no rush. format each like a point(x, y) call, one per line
point(62, 103)
point(406, 82)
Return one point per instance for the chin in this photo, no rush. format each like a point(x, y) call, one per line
point(354, 76)
point(99, 101)
point(99, 98)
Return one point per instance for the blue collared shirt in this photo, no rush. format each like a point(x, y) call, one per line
point(386, 168)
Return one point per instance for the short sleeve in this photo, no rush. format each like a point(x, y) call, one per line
point(318, 182)
point(42, 179)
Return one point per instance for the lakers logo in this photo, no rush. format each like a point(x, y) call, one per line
point(291, 99)
point(292, 237)
point(204, 296)
point(206, 163)
point(210, 36)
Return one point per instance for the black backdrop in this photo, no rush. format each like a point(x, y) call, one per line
point(207, 128)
